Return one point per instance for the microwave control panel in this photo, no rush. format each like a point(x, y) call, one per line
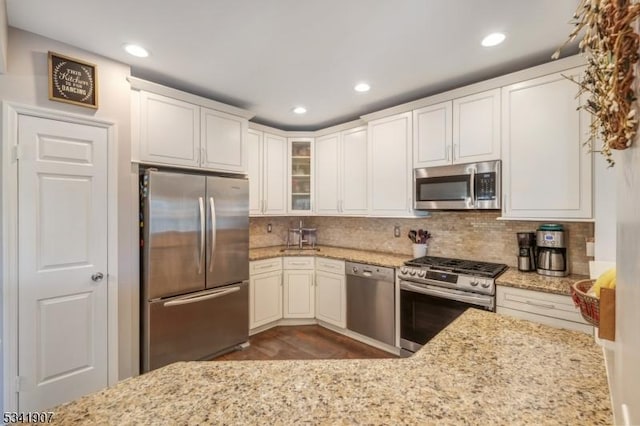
point(486, 186)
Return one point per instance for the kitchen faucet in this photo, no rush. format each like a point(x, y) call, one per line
point(301, 231)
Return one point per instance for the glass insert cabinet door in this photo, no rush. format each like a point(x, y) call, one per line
point(300, 175)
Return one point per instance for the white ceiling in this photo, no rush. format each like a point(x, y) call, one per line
point(271, 55)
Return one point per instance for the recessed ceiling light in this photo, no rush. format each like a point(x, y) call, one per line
point(362, 87)
point(135, 50)
point(299, 110)
point(493, 39)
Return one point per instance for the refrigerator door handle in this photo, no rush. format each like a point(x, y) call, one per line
point(195, 299)
point(212, 246)
point(202, 235)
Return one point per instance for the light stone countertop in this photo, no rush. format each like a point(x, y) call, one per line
point(533, 281)
point(510, 278)
point(377, 258)
point(483, 369)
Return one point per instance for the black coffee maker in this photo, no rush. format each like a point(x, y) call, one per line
point(526, 251)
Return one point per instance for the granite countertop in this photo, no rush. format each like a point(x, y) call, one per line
point(533, 281)
point(484, 368)
point(510, 278)
point(377, 258)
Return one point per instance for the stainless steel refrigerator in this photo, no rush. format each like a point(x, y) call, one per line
point(195, 266)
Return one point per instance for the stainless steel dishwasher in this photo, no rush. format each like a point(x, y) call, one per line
point(371, 301)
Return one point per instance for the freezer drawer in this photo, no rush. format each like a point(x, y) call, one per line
point(195, 326)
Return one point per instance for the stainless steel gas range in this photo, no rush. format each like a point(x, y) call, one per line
point(434, 291)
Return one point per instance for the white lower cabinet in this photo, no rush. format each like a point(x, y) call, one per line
point(556, 310)
point(331, 292)
point(265, 292)
point(298, 287)
point(298, 294)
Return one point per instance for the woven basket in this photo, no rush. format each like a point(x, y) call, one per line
point(589, 305)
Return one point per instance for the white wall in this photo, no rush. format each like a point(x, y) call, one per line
point(605, 209)
point(627, 348)
point(26, 82)
point(4, 35)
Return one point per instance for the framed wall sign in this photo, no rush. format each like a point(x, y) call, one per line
point(72, 81)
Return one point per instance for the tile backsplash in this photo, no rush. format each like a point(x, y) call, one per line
point(465, 235)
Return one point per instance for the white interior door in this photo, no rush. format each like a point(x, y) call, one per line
point(62, 234)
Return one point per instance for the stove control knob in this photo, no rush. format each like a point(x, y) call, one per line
point(422, 274)
point(474, 283)
point(412, 272)
point(485, 285)
point(404, 270)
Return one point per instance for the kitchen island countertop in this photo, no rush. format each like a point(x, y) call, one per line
point(484, 368)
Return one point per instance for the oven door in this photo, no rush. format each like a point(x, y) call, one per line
point(425, 310)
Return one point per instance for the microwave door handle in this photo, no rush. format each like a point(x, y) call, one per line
point(472, 186)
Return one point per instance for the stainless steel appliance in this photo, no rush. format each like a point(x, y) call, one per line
point(552, 251)
point(434, 291)
point(371, 301)
point(458, 187)
point(526, 251)
point(195, 265)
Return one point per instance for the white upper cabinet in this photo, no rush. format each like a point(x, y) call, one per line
point(301, 176)
point(354, 177)
point(476, 127)
point(267, 165)
point(327, 176)
point(255, 169)
point(175, 128)
point(546, 167)
point(390, 165)
point(433, 135)
point(169, 131)
point(341, 173)
point(223, 141)
point(274, 175)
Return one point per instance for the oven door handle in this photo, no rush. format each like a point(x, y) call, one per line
point(452, 295)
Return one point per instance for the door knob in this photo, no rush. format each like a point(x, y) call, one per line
point(97, 277)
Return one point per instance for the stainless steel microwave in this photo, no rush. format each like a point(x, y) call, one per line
point(458, 187)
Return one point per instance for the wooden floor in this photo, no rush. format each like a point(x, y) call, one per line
point(303, 342)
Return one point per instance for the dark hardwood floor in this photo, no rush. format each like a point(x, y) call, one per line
point(303, 342)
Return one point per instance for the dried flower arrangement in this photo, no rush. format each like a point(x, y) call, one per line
point(610, 45)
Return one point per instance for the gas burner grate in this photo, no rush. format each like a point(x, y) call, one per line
point(460, 266)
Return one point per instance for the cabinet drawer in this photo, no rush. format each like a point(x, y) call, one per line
point(330, 265)
point(298, 263)
point(540, 303)
point(267, 265)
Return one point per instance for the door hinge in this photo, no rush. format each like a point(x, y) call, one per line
point(16, 153)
